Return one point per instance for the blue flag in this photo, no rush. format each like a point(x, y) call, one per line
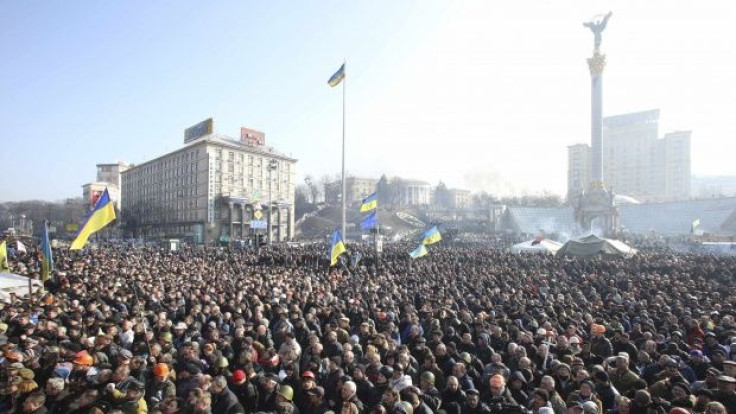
point(430, 236)
point(370, 221)
point(418, 252)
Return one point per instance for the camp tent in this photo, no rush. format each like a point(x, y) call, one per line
point(542, 247)
point(12, 283)
point(593, 245)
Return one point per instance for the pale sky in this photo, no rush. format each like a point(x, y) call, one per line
point(483, 95)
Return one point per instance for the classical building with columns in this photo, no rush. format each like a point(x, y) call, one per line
point(214, 189)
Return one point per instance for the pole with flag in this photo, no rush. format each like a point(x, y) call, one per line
point(47, 257)
point(336, 79)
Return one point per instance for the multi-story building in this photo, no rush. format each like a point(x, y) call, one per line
point(215, 188)
point(108, 177)
point(357, 188)
point(460, 198)
point(635, 161)
point(578, 169)
point(414, 192)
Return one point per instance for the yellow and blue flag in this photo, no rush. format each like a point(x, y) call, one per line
point(4, 258)
point(336, 247)
point(369, 203)
point(47, 257)
point(337, 77)
point(419, 252)
point(370, 221)
point(102, 215)
point(431, 236)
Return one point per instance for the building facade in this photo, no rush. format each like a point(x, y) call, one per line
point(636, 162)
point(215, 189)
point(108, 177)
point(357, 188)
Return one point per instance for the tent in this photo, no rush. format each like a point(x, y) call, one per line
point(593, 245)
point(543, 247)
point(12, 283)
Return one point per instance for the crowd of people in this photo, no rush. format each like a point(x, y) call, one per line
point(464, 330)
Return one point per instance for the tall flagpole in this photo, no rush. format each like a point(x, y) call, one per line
point(344, 81)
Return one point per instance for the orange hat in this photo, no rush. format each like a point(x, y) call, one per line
point(13, 356)
point(598, 329)
point(497, 381)
point(84, 358)
point(160, 370)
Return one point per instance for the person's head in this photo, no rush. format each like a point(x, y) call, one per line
point(390, 397)
point(715, 407)
point(34, 402)
point(547, 383)
point(726, 384)
point(54, 386)
point(452, 383)
point(497, 384)
point(160, 372)
point(624, 404)
point(586, 388)
point(473, 398)
point(348, 390)
point(219, 384)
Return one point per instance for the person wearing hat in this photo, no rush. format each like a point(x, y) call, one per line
point(622, 377)
point(605, 391)
point(499, 397)
point(585, 394)
point(472, 405)
point(599, 344)
point(160, 387)
point(245, 390)
point(698, 363)
point(129, 401)
point(267, 392)
point(316, 403)
point(711, 345)
point(223, 399)
point(726, 393)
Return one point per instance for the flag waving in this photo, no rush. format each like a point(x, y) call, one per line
point(336, 247)
point(369, 203)
point(4, 258)
point(102, 215)
point(337, 77)
point(370, 221)
point(418, 252)
point(430, 236)
point(47, 258)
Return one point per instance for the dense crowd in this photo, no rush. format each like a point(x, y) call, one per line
point(461, 331)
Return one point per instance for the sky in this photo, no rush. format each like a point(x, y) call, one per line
point(483, 95)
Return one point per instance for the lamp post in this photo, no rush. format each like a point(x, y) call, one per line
point(272, 165)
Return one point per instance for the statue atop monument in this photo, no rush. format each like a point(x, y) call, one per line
point(597, 25)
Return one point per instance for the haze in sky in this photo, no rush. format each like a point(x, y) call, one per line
point(482, 95)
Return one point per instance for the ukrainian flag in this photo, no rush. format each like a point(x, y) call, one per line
point(336, 247)
point(369, 203)
point(337, 77)
point(102, 215)
point(47, 257)
point(419, 252)
point(431, 236)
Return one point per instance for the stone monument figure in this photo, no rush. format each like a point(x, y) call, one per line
point(597, 26)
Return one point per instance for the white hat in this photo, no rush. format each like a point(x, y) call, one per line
point(181, 325)
point(574, 339)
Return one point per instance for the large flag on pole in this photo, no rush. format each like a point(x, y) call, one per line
point(431, 236)
point(369, 203)
point(4, 258)
point(47, 257)
point(336, 247)
point(337, 77)
point(102, 215)
point(419, 252)
point(370, 221)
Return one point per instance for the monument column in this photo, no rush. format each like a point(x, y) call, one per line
point(596, 64)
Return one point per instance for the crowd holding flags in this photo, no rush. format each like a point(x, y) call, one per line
point(47, 257)
point(101, 215)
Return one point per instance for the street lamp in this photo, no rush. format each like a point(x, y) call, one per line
point(272, 165)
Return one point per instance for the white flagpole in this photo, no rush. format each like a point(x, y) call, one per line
point(344, 81)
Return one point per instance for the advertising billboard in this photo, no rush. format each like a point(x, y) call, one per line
point(201, 129)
